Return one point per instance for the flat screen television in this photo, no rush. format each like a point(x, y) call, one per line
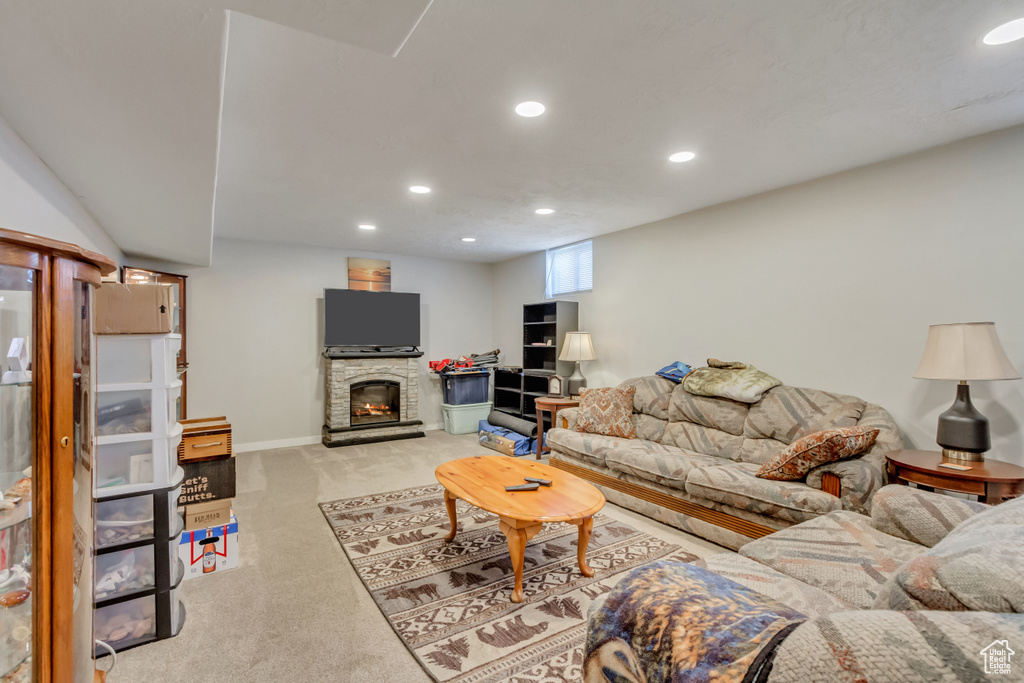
point(360, 318)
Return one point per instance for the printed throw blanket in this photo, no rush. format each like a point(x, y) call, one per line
point(670, 621)
point(737, 381)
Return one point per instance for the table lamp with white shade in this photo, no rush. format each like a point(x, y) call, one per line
point(964, 352)
point(577, 347)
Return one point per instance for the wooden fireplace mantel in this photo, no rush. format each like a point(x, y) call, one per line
point(335, 355)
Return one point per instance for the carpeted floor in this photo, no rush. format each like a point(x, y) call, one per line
point(295, 609)
point(449, 602)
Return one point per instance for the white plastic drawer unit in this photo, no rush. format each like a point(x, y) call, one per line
point(124, 520)
point(126, 464)
point(125, 623)
point(137, 359)
point(177, 611)
point(136, 409)
point(125, 571)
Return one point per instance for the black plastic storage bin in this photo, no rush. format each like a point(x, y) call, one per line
point(460, 388)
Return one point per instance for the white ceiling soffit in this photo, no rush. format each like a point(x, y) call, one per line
point(122, 98)
point(319, 137)
point(322, 132)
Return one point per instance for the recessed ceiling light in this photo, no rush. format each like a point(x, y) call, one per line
point(367, 226)
point(419, 189)
point(1007, 33)
point(680, 157)
point(469, 239)
point(545, 212)
point(529, 109)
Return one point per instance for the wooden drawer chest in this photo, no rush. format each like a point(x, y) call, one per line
point(204, 439)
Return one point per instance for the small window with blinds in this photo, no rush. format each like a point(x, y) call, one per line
point(570, 269)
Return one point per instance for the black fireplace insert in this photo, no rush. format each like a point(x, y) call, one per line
point(374, 402)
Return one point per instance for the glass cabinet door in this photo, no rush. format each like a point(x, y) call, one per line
point(17, 319)
point(82, 501)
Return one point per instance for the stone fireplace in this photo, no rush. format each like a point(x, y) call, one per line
point(371, 397)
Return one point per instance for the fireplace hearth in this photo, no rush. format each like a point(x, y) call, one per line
point(374, 402)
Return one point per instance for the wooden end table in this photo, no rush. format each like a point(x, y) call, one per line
point(550, 404)
point(992, 481)
point(481, 482)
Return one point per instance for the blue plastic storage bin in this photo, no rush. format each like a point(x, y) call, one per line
point(462, 388)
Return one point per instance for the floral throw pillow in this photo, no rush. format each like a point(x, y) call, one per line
point(607, 411)
point(803, 455)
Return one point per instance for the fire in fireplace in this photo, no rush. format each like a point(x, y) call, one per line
point(374, 402)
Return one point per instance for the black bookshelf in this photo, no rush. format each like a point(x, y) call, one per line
point(516, 389)
point(544, 328)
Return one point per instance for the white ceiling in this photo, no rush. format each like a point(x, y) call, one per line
point(310, 125)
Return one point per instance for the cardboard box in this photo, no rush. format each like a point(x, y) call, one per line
point(207, 480)
point(134, 309)
point(204, 438)
point(205, 515)
point(209, 551)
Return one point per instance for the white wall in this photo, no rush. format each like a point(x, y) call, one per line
point(255, 332)
point(830, 284)
point(34, 200)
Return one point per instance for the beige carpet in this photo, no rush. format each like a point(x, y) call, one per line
point(295, 609)
point(449, 602)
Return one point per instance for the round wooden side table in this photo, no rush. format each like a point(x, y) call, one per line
point(551, 404)
point(992, 481)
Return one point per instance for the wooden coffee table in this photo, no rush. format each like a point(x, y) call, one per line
point(481, 482)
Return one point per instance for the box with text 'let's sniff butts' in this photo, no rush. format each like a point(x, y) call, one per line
point(209, 551)
point(207, 480)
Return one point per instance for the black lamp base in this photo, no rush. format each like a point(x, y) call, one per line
point(963, 431)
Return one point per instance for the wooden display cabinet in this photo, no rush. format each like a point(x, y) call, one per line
point(47, 427)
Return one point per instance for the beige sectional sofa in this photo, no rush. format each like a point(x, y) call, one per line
point(693, 463)
point(928, 588)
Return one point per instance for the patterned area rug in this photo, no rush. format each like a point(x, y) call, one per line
point(449, 602)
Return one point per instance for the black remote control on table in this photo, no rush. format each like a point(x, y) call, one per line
point(542, 482)
point(523, 487)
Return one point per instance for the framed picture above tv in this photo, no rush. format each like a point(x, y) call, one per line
point(369, 275)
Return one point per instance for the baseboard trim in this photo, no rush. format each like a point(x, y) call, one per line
point(685, 507)
point(277, 443)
